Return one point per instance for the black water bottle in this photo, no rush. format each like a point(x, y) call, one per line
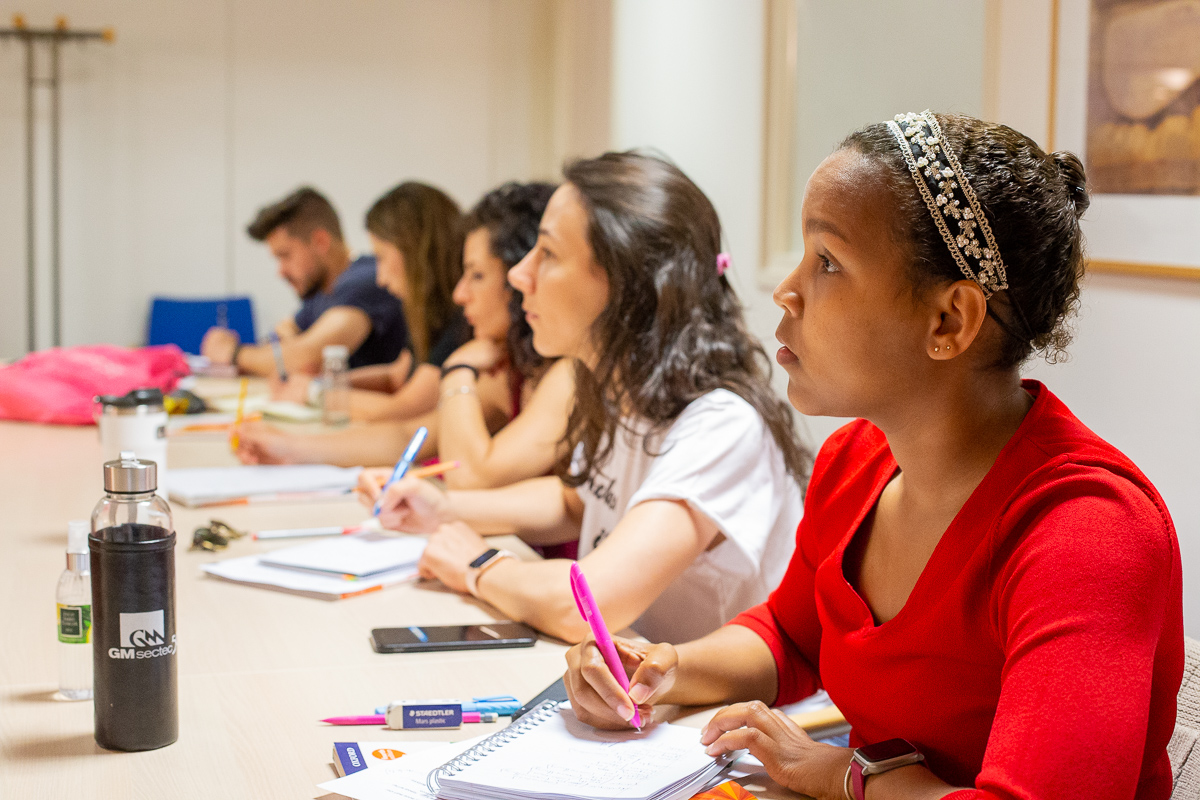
point(136, 690)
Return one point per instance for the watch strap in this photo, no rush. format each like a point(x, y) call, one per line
point(862, 765)
point(474, 573)
point(858, 781)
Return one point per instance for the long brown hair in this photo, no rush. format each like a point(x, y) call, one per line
point(426, 225)
point(673, 328)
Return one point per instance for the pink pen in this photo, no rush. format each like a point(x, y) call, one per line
point(365, 719)
point(591, 613)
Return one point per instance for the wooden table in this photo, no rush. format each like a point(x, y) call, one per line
point(257, 668)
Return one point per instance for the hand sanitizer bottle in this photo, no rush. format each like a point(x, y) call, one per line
point(335, 404)
point(74, 598)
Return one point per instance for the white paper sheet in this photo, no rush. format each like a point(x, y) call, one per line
point(360, 554)
point(248, 570)
point(404, 781)
point(203, 485)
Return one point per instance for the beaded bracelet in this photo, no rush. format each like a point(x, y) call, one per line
point(455, 392)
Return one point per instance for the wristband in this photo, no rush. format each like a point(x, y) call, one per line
point(447, 370)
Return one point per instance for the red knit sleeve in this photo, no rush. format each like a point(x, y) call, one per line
point(1082, 608)
point(788, 623)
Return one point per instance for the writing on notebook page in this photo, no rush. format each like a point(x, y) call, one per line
point(569, 770)
point(563, 757)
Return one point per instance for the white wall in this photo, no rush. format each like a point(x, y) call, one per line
point(199, 114)
point(688, 80)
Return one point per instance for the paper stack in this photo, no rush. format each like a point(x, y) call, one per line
point(333, 569)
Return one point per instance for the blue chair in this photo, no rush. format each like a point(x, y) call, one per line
point(184, 322)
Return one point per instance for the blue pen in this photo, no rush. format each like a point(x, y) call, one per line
point(410, 454)
point(277, 350)
point(503, 704)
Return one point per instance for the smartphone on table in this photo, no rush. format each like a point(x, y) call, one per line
point(420, 639)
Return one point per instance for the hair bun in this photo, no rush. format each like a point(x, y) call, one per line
point(1074, 178)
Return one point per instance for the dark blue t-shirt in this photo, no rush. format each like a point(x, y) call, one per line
point(356, 288)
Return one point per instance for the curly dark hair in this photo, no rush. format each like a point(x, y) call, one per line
point(673, 328)
point(511, 214)
point(1033, 202)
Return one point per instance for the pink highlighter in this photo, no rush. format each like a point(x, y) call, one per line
point(591, 613)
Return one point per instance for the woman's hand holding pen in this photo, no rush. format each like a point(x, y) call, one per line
point(792, 758)
point(411, 504)
point(596, 696)
point(370, 484)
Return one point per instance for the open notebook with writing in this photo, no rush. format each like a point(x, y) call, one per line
point(550, 755)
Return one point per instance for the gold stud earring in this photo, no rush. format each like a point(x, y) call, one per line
point(947, 347)
point(935, 349)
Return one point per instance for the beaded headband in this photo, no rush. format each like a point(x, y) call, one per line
point(950, 199)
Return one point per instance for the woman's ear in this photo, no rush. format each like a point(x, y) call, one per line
point(961, 309)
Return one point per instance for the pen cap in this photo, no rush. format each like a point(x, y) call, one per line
point(130, 475)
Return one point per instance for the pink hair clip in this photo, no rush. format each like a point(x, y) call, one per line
point(722, 263)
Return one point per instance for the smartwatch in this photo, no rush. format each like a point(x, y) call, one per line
point(878, 758)
point(485, 561)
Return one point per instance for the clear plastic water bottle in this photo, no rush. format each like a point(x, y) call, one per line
point(335, 401)
point(134, 642)
point(74, 598)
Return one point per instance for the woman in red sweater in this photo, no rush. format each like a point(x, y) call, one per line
point(989, 592)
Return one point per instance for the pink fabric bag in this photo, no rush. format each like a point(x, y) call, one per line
point(57, 386)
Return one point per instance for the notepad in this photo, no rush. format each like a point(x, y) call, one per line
point(204, 486)
point(550, 755)
point(248, 570)
point(360, 555)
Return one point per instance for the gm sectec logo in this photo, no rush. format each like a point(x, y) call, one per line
point(143, 635)
point(145, 629)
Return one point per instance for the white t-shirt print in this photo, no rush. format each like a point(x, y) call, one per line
point(719, 458)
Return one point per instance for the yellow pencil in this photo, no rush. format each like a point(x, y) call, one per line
point(237, 420)
point(421, 472)
point(434, 469)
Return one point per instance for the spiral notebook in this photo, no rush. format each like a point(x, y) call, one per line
point(550, 755)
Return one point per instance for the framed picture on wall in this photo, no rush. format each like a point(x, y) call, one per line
point(1126, 96)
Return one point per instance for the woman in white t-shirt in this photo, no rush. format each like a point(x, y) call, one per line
point(681, 475)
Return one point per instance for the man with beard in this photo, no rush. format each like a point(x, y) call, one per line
point(341, 303)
